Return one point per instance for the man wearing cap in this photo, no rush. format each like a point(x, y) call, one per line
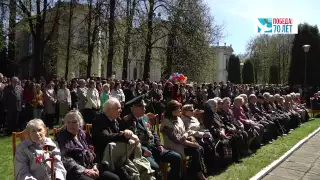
point(151, 145)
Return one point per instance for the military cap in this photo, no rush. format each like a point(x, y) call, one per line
point(136, 102)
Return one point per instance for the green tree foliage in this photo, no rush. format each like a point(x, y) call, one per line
point(307, 34)
point(191, 33)
point(273, 77)
point(247, 72)
point(234, 74)
point(265, 51)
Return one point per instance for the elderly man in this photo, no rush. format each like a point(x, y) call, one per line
point(12, 102)
point(151, 145)
point(105, 130)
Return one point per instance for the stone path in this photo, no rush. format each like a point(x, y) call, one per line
point(303, 164)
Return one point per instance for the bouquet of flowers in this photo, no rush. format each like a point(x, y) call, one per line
point(178, 78)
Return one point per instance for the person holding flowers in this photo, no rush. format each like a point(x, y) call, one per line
point(31, 160)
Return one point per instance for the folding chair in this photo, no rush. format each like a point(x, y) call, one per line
point(57, 130)
point(88, 129)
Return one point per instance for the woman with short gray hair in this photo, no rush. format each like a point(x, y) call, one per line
point(31, 158)
point(77, 154)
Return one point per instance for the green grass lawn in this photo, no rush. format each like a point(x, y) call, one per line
point(243, 171)
point(266, 154)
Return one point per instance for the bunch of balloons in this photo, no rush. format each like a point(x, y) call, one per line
point(178, 78)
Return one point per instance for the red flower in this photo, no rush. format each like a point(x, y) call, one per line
point(38, 159)
point(91, 147)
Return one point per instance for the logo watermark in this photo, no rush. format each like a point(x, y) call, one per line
point(276, 26)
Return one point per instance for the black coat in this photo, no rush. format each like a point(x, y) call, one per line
point(147, 136)
point(105, 131)
point(12, 98)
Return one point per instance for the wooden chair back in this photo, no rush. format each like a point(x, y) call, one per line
point(57, 130)
point(22, 136)
point(88, 129)
point(154, 120)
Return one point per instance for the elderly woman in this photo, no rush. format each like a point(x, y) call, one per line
point(77, 155)
point(254, 128)
point(219, 131)
point(192, 125)
point(31, 158)
point(177, 139)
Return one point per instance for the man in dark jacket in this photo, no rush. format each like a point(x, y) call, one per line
point(12, 103)
point(151, 146)
point(105, 129)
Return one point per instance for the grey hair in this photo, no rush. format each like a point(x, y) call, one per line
point(110, 103)
point(266, 95)
point(74, 114)
point(277, 96)
point(187, 107)
point(251, 96)
point(244, 96)
point(239, 98)
point(212, 102)
point(225, 99)
point(35, 123)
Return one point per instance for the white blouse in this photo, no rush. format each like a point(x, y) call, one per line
point(93, 99)
point(63, 95)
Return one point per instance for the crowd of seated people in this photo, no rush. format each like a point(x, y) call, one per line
point(122, 143)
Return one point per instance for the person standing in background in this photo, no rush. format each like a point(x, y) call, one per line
point(12, 101)
point(64, 100)
point(50, 101)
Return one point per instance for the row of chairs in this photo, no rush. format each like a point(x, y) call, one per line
point(154, 122)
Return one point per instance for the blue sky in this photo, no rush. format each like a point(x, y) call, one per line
point(238, 16)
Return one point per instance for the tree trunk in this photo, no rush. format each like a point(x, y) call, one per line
point(170, 51)
point(111, 38)
point(127, 43)
point(11, 65)
point(146, 69)
point(69, 40)
point(89, 65)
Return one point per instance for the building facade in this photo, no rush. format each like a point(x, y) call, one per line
point(222, 55)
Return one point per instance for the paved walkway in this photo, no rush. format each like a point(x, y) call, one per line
point(303, 164)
